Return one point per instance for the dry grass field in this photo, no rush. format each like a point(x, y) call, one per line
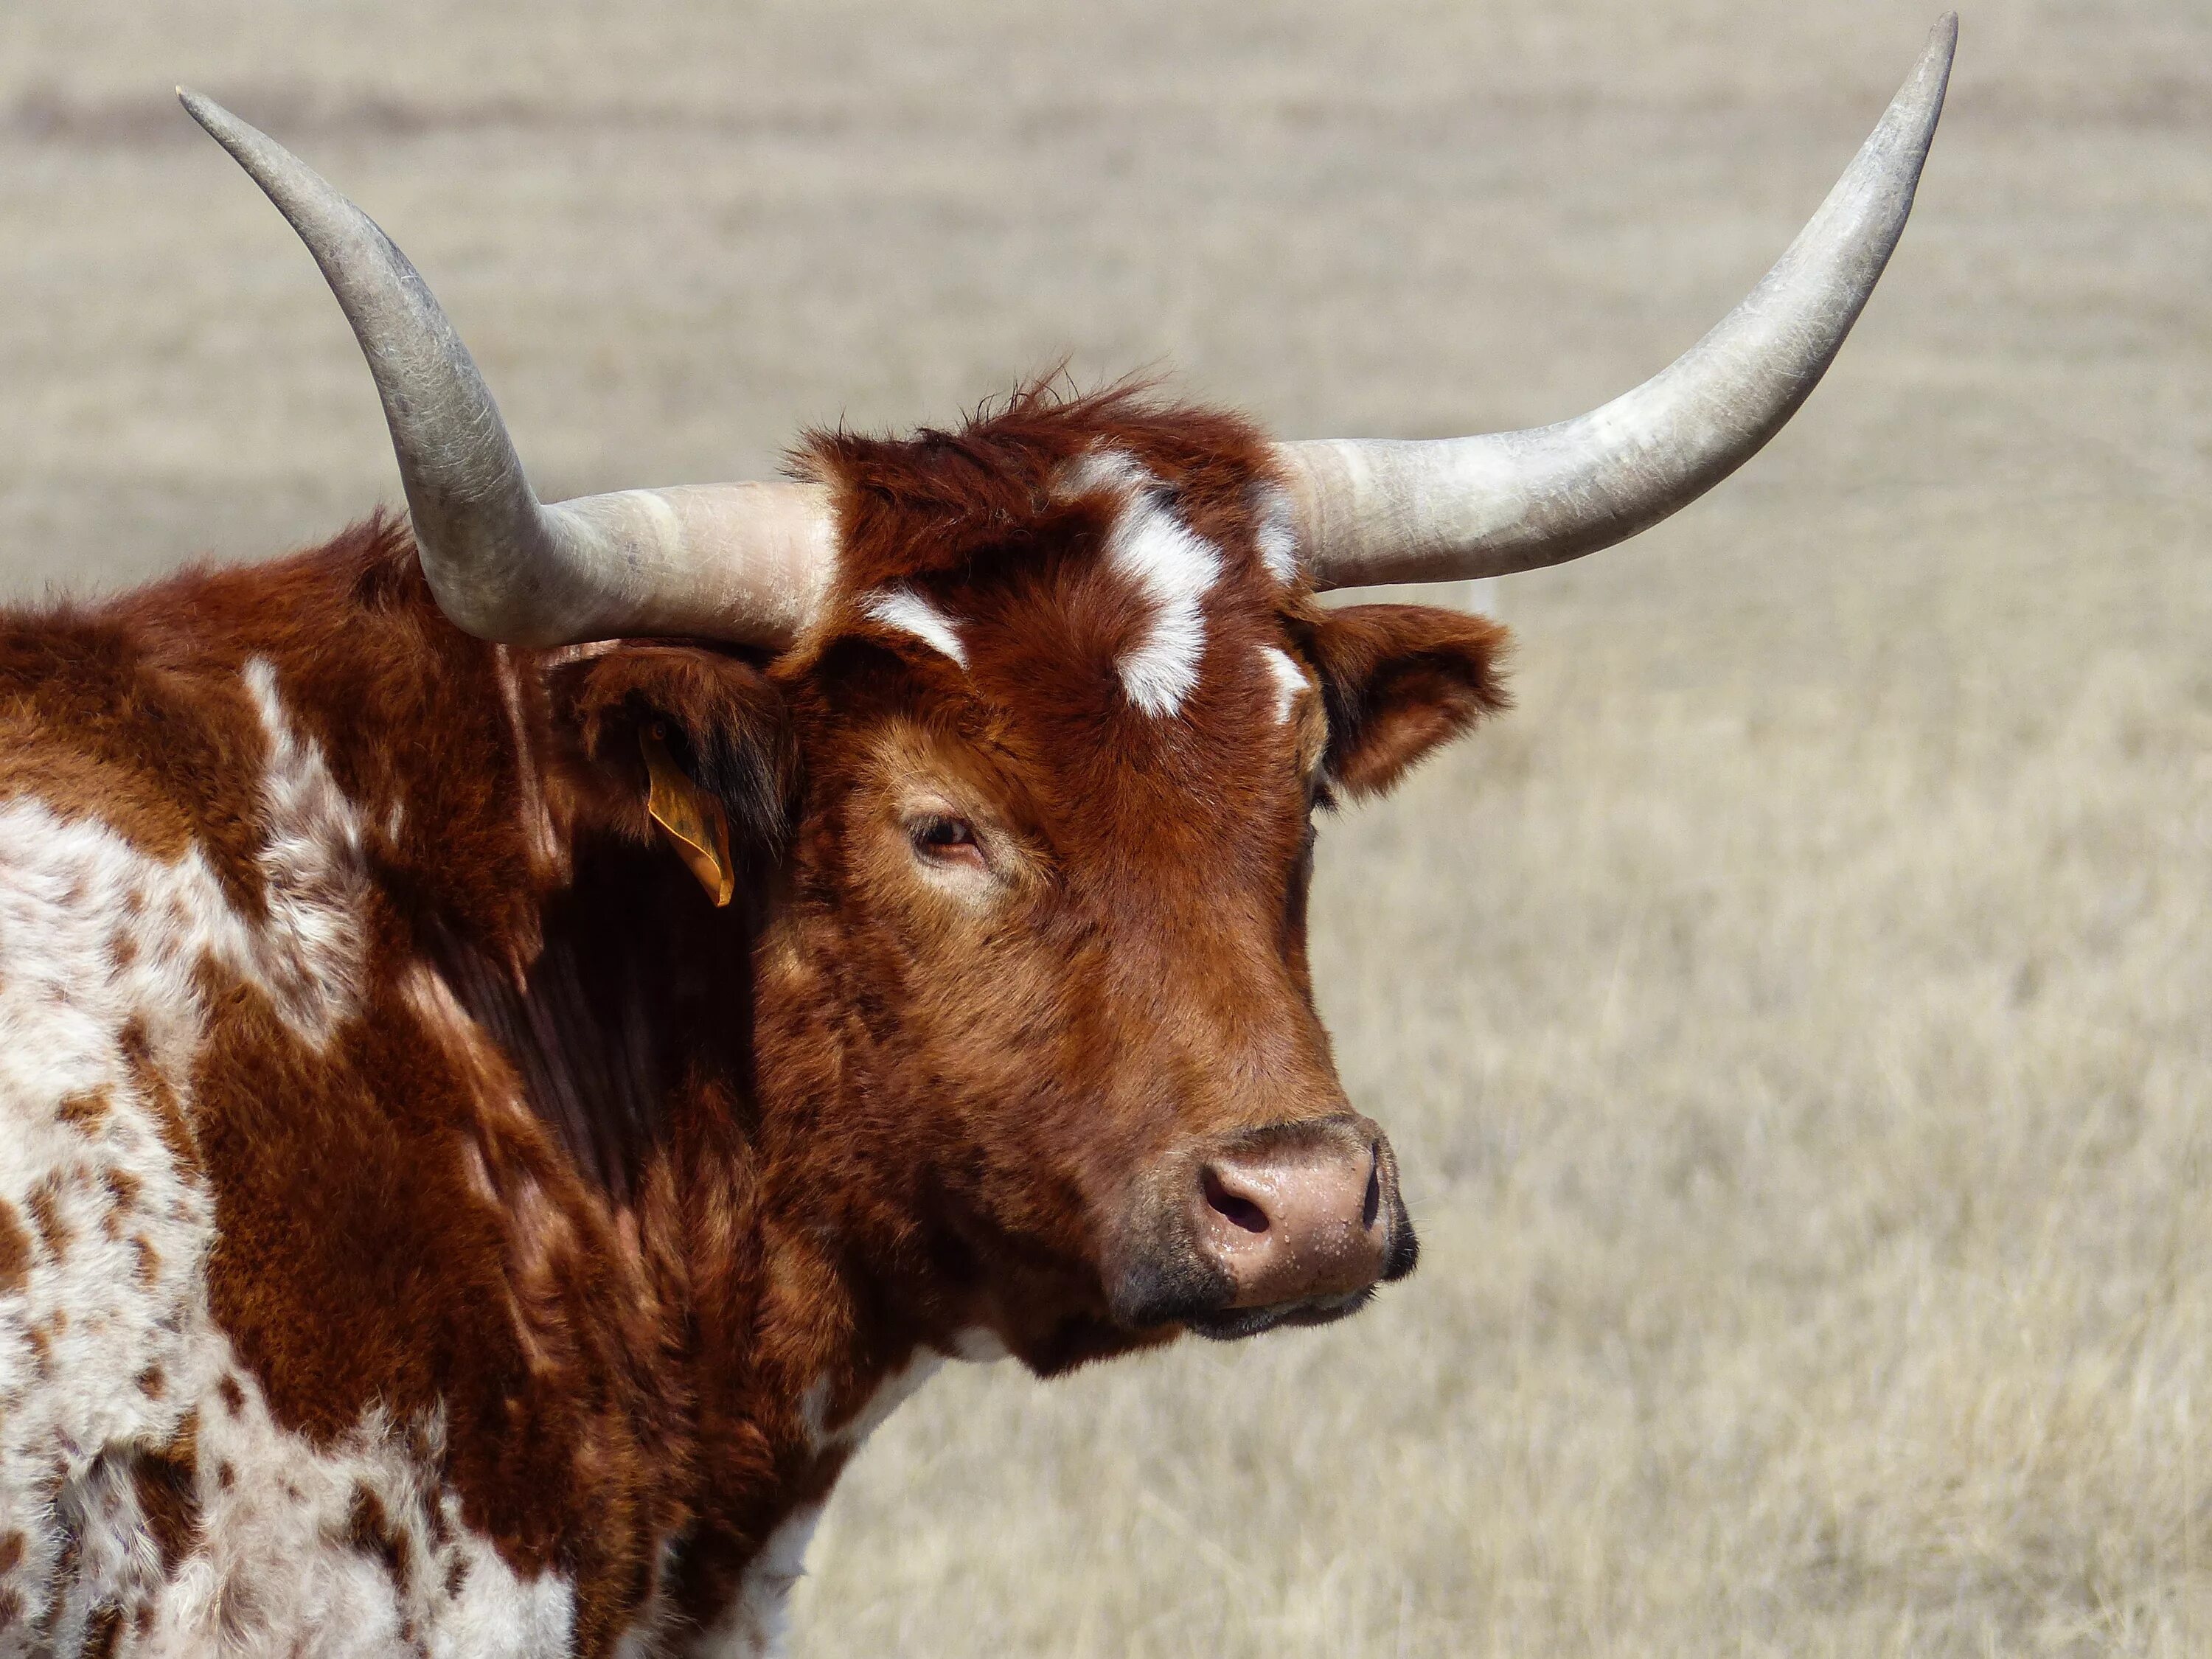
point(1795, 1019)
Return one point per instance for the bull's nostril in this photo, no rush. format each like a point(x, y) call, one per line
point(1239, 1211)
point(1371, 1205)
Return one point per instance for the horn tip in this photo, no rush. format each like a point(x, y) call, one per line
point(1943, 38)
point(211, 116)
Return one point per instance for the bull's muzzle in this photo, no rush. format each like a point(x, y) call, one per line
point(1295, 1223)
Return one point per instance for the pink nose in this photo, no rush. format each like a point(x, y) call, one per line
point(1298, 1221)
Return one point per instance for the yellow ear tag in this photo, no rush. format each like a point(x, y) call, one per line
point(692, 819)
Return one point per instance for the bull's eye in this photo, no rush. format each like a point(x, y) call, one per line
point(943, 839)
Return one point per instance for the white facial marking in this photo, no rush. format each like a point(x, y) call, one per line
point(907, 611)
point(1291, 682)
point(1172, 567)
point(1175, 569)
point(1278, 538)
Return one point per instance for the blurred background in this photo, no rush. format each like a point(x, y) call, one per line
point(1795, 1019)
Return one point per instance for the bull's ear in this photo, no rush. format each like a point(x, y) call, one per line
point(1399, 681)
point(685, 745)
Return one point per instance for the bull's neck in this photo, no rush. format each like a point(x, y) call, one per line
point(682, 1187)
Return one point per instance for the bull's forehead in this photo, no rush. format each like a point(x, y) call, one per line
point(1128, 637)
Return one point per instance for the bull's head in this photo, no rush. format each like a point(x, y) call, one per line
point(1061, 732)
point(1039, 714)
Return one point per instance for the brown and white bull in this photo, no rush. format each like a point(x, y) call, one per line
point(523, 1033)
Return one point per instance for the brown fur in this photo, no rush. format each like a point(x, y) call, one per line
point(369, 1530)
point(83, 1112)
point(14, 1249)
point(665, 1167)
point(101, 1632)
point(45, 1204)
point(167, 1486)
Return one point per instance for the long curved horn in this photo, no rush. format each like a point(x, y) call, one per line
point(1378, 512)
point(744, 561)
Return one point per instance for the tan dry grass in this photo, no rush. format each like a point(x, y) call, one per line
point(1809, 1139)
point(1796, 1019)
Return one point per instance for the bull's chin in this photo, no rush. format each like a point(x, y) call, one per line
point(1235, 1324)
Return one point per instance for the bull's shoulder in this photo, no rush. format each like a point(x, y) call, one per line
point(98, 723)
point(103, 1211)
